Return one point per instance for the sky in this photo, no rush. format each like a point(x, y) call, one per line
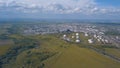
point(60, 9)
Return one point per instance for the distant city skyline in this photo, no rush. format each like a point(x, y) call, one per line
point(60, 9)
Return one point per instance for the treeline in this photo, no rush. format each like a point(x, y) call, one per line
point(35, 59)
point(14, 29)
point(19, 46)
point(30, 59)
point(112, 32)
point(4, 37)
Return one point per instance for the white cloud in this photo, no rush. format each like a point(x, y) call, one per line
point(56, 6)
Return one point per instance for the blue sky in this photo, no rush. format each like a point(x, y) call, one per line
point(60, 9)
point(115, 3)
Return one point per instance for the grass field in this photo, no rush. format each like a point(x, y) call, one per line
point(75, 57)
point(60, 54)
point(113, 51)
point(72, 56)
point(5, 45)
point(4, 49)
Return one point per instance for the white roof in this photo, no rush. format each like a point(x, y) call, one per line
point(77, 41)
point(73, 36)
point(64, 35)
point(86, 34)
point(77, 33)
point(90, 40)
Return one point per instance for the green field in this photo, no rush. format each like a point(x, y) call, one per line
point(5, 45)
point(113, 51)
point(4, 49)
point(75, 57)
point(53, 52)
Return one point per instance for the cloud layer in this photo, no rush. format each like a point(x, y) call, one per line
point(86, 7)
